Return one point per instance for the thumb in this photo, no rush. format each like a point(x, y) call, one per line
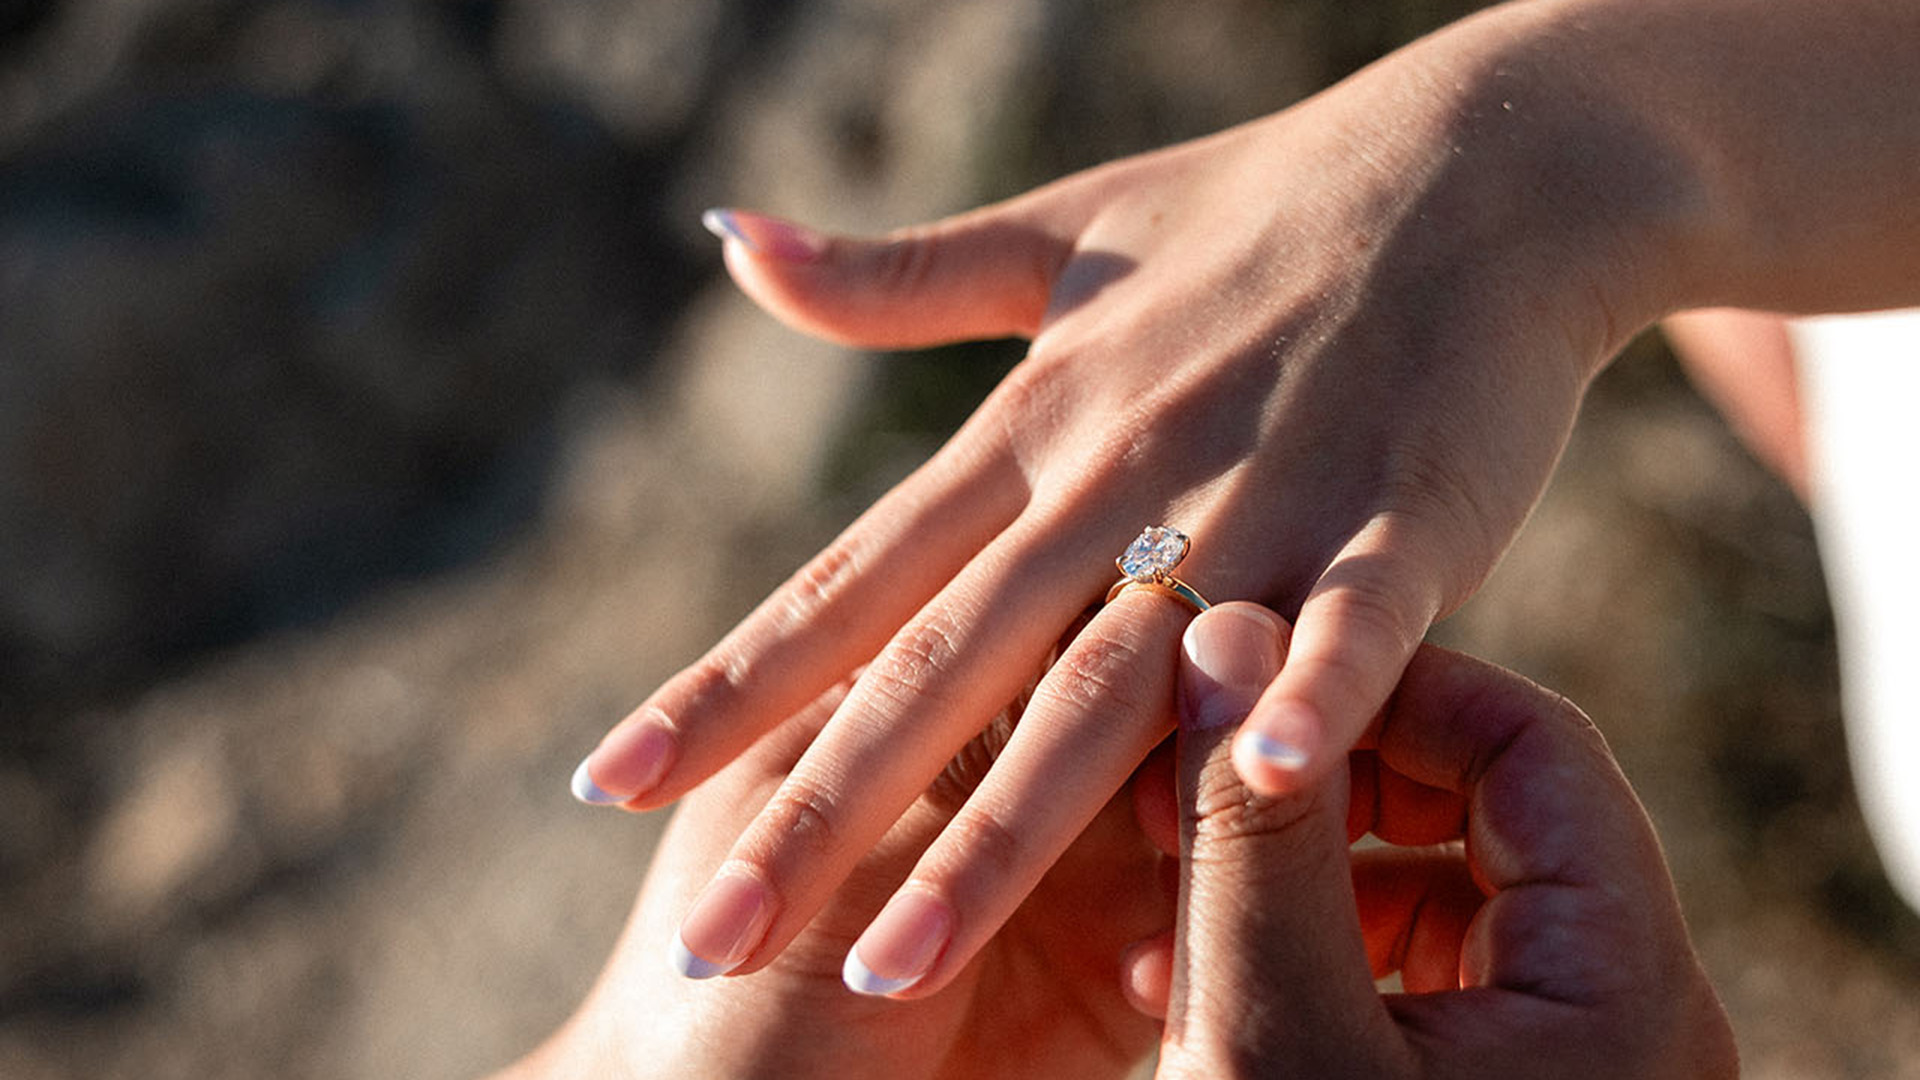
point(985, 274)
point(1269, 962)
point(1357, 630)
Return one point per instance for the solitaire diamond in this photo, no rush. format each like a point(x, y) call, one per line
point(1154, 553)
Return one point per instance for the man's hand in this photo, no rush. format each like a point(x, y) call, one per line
point(1531, 915)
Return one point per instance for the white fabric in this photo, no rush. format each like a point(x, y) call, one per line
point(1860, 377)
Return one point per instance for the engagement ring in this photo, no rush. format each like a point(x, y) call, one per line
point(1148, 563)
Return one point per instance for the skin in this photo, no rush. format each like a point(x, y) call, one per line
point(1535, 922)
point(1041, 1000)
point(1525, 902)
point(1044, 999)
point(1341, 346)
point(1742, 362)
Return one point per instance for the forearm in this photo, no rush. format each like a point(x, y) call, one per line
point(1797, 126)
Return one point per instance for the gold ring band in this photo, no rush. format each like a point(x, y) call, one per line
point(1149, 561)
point(1172, 586)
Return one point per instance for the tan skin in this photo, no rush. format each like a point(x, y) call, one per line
point(1742, 362)
point(1536, 920)
point(1341, 346)
point(1043, 999)
point(1526, 903)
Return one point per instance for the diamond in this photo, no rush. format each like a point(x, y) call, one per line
point(1154, 553)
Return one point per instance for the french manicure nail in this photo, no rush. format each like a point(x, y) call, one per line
point(764, 235)
point(692, 967)
point(628, 763)
point(589, 792)
point(1234, 653)
point(900, 946)
point(724, 925)
point(1285, 735)
point(1280, 755)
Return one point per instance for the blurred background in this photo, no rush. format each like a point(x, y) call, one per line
point(376, 427)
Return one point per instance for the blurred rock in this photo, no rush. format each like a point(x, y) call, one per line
point(168, 828)
point(641, 66)
point(266, 350)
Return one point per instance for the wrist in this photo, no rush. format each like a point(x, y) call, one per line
point(1740, 153)
point(1595, 207)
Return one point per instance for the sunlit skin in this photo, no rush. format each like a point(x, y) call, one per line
point(1043, 999)
point(1529, 911)
point(1341, 347)
point(1742, 361)
point(1524, 900)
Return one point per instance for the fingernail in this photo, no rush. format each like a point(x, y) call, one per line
point(1278, 740)
point(900, 946)
point(721, 930)
point(589, 792)
point(763, 235)
point(628, 763)
point(692, 967)
point(1280, 755)
point(1234, 653)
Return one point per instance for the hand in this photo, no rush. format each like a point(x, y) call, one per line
point(1303, 341)
point(1043, 999)
point(1532, 919)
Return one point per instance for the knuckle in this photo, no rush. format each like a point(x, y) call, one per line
point(911, 670)
point(1452, 504)
point(819, 584)
point(1377, 606)
point(1422, 480)
point(988, 846)
point(712, 684)
point(1104, 674)
point(1539, 709)
point(800, 820)
point(903, 265)
point(1028, 410)
point(1559, 713)
point(1032, 394)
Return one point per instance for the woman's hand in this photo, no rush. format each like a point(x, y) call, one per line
point(1340, 347)
point(1042, 1000)
point(1530, 916)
